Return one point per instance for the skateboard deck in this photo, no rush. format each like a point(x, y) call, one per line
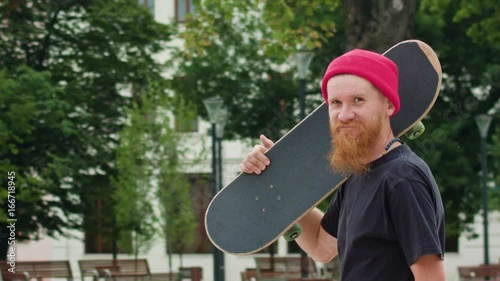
point(253, 211)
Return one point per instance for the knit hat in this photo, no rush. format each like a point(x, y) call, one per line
point(377, 69)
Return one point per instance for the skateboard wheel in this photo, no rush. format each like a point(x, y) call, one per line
point(415, 131)
point(293, 233)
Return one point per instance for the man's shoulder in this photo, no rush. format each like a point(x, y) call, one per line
point(405, 157)
point(404, 165)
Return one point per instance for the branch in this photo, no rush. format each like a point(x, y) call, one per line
point(42, 54)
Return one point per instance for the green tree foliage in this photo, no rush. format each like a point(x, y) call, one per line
point(177, 219)
point(484, 19)
point(151, 160)
point(279, 27)
point(134, 191)
point(470, 67)
point(64, 65)
point(33, 111)
point(223, 56)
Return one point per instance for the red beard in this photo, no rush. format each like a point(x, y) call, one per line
point(350, 152)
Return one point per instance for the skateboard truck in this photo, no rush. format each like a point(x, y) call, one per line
point(416, 131)
point(293, 233)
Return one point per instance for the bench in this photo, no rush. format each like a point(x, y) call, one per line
point(250, 274)
point(26, 270)
point(284, 267)
point(171, 276)
point(114, 269)
point(476, 273)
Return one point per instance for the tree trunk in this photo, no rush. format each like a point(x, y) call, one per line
point(377, 25)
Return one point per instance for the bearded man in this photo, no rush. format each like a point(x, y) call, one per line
point(386, 222)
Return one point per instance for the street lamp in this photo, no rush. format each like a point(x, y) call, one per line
point(303, 59)
point(483, 122)
point(219, 133)
point(216, 114)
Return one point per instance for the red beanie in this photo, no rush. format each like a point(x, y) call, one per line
point(377, 69)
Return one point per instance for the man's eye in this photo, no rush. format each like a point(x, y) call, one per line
point(359, 99)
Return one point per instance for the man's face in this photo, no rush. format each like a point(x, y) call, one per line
point(357, 111)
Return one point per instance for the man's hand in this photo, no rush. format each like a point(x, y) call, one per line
point(256, 161)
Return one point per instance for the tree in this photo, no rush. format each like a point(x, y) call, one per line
point(178, 221)
point(484, 18)
point(223, 57)
point(150, 167)
point(31, 106)
point(452, 147)
point(87, 52)
point(136, 220)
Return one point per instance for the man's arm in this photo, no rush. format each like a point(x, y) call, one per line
point(428, 268)
point(318, 243)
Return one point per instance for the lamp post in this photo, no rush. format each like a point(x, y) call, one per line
point(303, 59)
point(219, 133)
point(214, 108)
point(483, 122)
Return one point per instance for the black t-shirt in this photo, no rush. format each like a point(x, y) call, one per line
point(385, 220)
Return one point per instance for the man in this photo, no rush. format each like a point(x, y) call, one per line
point(386, 222)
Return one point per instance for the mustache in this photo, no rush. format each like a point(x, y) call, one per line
point(335, 127)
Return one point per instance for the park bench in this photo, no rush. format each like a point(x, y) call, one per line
point(171, 276)
point(130, 269)
point(283, 268)
point(28, 270)
point(250, 274)
point(133, 270)
point(477, 273)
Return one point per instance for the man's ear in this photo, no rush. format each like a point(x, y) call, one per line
point(390, 108)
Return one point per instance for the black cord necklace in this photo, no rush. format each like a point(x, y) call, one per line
point(388, 146)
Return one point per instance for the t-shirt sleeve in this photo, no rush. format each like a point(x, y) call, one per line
point(330, 221)
point(415, 219)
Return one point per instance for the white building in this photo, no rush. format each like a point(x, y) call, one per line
point(470, 252)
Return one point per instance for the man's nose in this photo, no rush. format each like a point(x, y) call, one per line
point(346, 114)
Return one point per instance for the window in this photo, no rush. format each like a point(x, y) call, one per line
point(98, 216)
point(182, 8)
point(98, 226)
point(148, 3)
point(98, 237)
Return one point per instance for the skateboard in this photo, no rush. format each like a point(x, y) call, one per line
point(253, 211)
